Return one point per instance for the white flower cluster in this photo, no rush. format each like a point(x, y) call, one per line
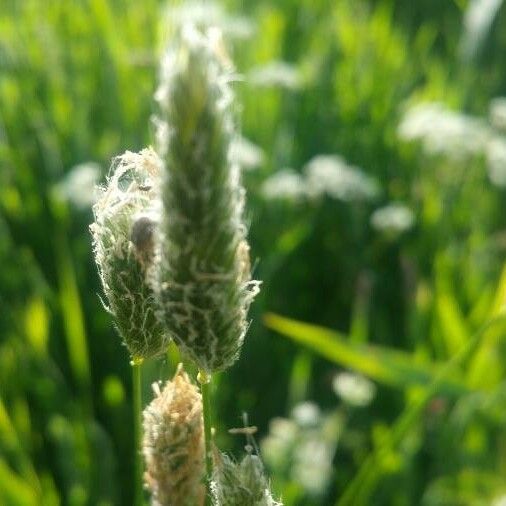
point(496, 161)
point(78, 187)
point(304, 444)
point(248, 155)
point(354, 389)
point(286, 184)
point(333, 176)
point(276, 74)
point(393, 219)
point(444, 132)
point(459, 137)
point(323, 175)
point(497, 113)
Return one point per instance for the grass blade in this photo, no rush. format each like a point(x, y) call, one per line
point(362, 486)
point(382, 364)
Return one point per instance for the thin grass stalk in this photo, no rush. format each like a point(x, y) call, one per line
point(205, 389)
point(137, 416)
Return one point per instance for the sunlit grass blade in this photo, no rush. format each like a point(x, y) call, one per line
point(9, 440)
point(486, 366)
point(37, 325)
point(14, 491)
point(385, 365)
point(362, 486)
point(499, 305)
point(453, 326)
point(73, 318)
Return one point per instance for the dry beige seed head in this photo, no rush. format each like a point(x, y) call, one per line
point(173, 445)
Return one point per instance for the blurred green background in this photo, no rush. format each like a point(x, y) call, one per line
point(374, 156)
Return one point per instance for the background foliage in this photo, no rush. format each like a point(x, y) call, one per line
point(417, 310)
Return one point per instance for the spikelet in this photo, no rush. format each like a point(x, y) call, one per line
point(173, 444)
point(123, 243)
point(203, 274)
point(240, 483)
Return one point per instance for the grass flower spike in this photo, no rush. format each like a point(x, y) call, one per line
point(123, 242)
point(203, 273)
point(173, 445)
point(241, 483)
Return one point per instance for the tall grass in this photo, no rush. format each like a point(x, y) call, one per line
point(76, 80)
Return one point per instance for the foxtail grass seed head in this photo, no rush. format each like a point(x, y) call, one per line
point(126, 215)
point(203, 274)
point(173, 444)
point(241, 482)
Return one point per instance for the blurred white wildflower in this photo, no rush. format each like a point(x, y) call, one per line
point(276, 73)
point(312, 463)
point(354, 389)
point(496, 161)
point(284, 428)
point(393, 219)
point(276, 447)
point(331, 175)
point(497, 113)
point(247, 154)
point(442, 131)
point(78, 187)
point(306, 414)
point(286, 184)
point(207, 13)
point(478, 19)
point(303, 446)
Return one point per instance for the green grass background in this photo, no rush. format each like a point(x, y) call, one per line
point(76, 85)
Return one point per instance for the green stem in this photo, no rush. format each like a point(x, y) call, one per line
point(205, 388)
point(137, 414)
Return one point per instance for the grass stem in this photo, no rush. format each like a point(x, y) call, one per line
point(205, 388)
point(137, 414)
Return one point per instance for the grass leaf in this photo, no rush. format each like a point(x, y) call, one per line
point(382, 364)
